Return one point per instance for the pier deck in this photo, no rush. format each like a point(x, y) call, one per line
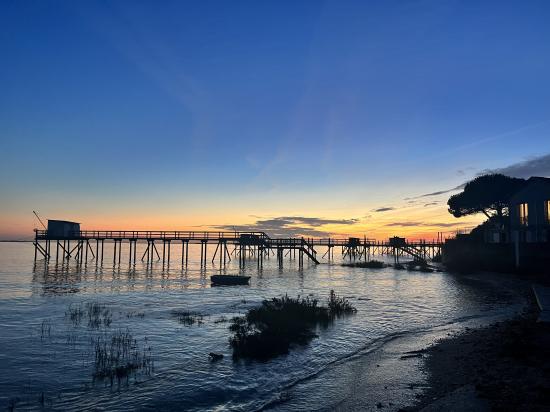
point(252, 244)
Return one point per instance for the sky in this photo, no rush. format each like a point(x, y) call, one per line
point(312, 118)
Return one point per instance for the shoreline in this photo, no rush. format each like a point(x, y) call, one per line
point(392, 375)
point(409, 372)
point(502, 366)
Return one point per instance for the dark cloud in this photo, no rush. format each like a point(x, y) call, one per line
point(462, 172)
point(439, 192)
point(423, 224)
point(315, 221)
point(285, 226)
point(442, 192)
point(534, 166)
point(431, 204)
point(384, 209)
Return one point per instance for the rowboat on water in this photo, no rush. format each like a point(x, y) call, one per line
point(229, 280)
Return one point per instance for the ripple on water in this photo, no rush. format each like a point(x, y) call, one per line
point(59, 362)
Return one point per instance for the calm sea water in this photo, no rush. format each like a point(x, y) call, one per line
point(47, 359)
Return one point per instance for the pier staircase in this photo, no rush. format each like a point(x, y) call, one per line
point(416, 253)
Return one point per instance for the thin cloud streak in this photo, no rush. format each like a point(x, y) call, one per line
point(493, 138)
point(439, 192)
point(384, 209)
point(285, 226)
point(423, 224)
point(534, 166)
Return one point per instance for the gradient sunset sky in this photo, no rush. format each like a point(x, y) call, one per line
point(300, 117)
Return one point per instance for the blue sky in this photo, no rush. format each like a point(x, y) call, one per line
point(210, 112)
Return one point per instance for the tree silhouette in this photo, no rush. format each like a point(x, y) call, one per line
point(487, 194)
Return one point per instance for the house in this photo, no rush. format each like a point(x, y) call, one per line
point(62, 229)
point(529, 211)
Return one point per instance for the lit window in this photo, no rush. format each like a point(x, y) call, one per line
point(547, 204)
point(523, 214)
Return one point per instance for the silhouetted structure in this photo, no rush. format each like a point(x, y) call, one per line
point(80, 244)
point(529, 211)
point(517, 242)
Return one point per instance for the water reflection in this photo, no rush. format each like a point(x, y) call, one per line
point(389, 302)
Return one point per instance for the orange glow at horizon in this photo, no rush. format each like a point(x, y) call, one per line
point(414, 222)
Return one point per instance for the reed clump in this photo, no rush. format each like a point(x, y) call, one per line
point(270, 329)
point(189, 318)
point(371, 264)
point(45, 329)
point(75, 313)
point(119, 355)
point(98, 314)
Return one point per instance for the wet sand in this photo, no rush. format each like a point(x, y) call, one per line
point(504, 366)
point(447, 367)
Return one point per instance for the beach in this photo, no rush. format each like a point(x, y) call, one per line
point(504, 366)
point(433, 367)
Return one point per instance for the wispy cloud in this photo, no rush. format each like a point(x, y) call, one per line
point(290, 226)
point(424, 224)
point(495, 137)
point(533, 166)
point(439, 192)
point(384, 209)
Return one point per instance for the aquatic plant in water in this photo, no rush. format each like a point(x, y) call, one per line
point(45, 329)
point(270, 329)
point(75, 313)
point(119, 355)
point(188, 318)
point(97, 313)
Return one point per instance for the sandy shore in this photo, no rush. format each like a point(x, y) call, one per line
point(445, 367)
point(504, 366)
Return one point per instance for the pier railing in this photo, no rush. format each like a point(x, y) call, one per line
point(152, 234)
point(352, 247)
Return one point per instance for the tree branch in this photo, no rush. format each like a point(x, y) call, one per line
point(486, 214)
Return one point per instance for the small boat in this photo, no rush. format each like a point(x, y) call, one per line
point(229, 280)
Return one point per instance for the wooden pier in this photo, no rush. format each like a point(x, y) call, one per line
point(83, 245)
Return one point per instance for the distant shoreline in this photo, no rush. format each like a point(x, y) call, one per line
point(15, 241)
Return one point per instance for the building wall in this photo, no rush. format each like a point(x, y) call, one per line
point(465, 255)
point(535, 195)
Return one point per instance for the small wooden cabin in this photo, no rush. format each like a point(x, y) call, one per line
point(397, 241)
point(63, 229)
point(249, 239)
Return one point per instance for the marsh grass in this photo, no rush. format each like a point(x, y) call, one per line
point(270, 329)
point(75, 313)
point(371, 264)
point(134, 314)
point(188, 318)
point(98, 314)
point(339, 306)
point(119, 356)
point(45, 329)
